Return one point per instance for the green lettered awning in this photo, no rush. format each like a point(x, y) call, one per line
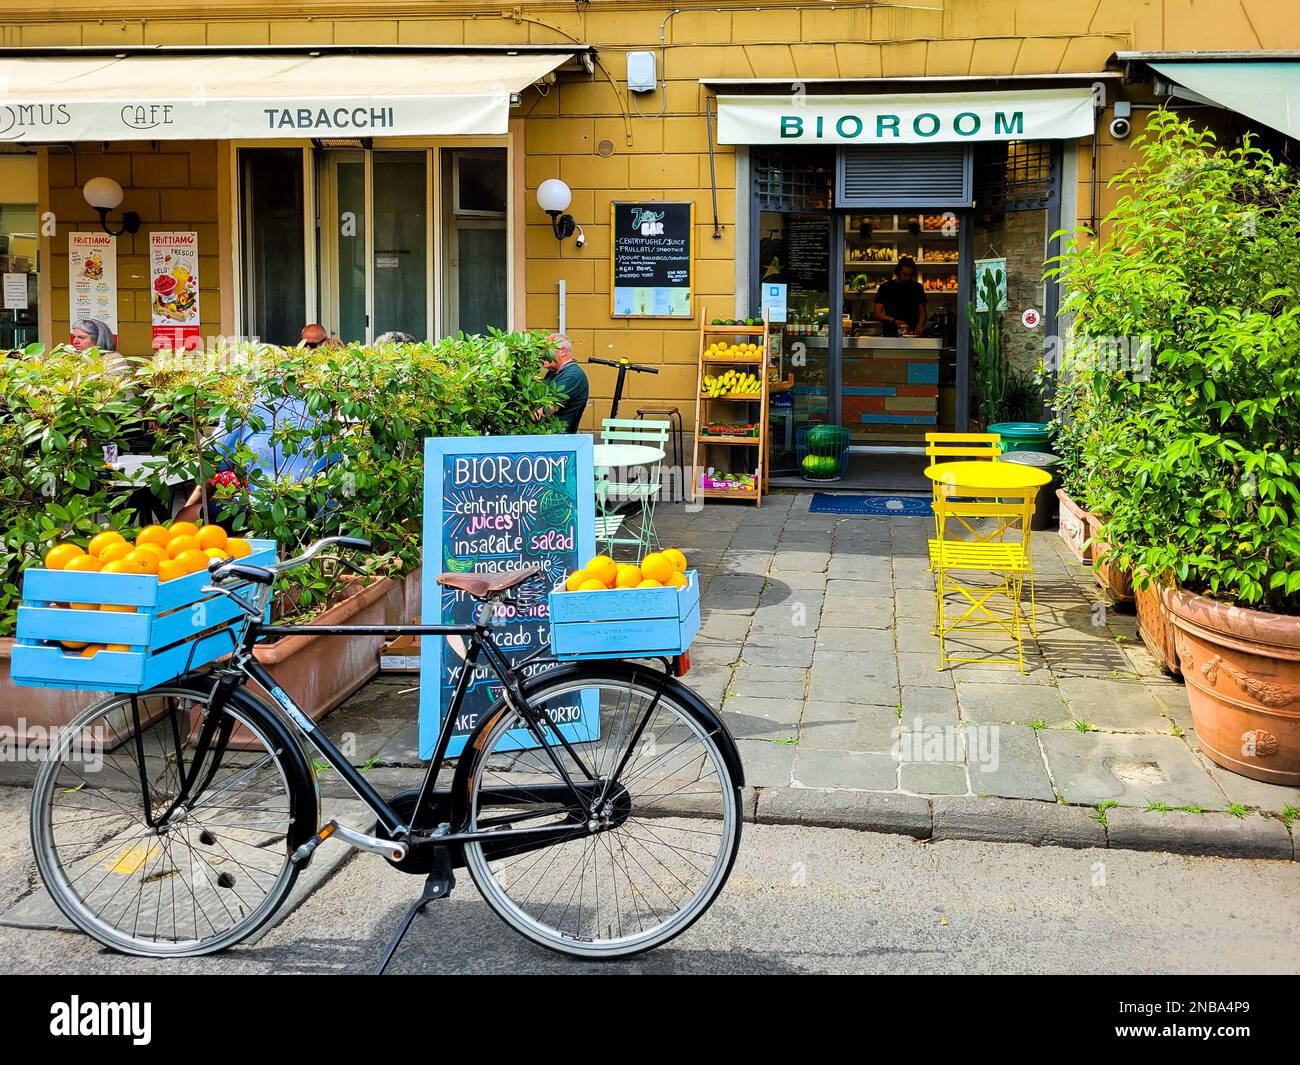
point(1267, 92)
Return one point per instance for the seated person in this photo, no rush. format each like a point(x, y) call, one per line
point(569, 379)
point(272, 458)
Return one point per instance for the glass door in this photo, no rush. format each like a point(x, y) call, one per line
point(374, 220)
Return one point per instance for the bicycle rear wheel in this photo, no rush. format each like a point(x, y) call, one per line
point(657, 846)
point(138, 872)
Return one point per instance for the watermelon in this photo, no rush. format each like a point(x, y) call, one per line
point(824, 436)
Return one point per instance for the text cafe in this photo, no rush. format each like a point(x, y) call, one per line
point(875, 218)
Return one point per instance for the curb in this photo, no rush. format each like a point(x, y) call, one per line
point(1024, 821)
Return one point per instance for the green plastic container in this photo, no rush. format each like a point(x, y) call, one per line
point(1022, 436)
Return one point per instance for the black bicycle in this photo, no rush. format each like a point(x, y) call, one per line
point(175, 822)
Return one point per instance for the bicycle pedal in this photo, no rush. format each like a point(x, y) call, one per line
point(392, 849)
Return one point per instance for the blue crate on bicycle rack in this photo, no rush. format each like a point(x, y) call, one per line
point(625, 622)
point(174, 626)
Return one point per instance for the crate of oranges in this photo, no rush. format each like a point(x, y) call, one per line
point(612, 609)
point(124, 614)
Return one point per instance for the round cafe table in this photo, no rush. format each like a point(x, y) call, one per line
point(618, 456)
point(987, 478)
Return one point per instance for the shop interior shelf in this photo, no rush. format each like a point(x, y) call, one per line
point(749, 397)
point(744, 360)
point(735, 330)
point(751, 441)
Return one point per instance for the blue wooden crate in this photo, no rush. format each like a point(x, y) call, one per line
point(175, 626)
point(625, 622)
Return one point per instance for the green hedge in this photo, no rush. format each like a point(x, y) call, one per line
point(372, 408)
point(1194, 465)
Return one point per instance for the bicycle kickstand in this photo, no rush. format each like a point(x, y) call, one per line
point(437, 885)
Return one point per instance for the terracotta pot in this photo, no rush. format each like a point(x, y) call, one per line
point(319, 672)
point(33, 708)
point(1156, 628)
point(1109, 576)
point(1073, 525)
point(1242, 669)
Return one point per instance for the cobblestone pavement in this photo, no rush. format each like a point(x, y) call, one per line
point(815, 642)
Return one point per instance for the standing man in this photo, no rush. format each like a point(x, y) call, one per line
point(900, 301)
point(563, 371)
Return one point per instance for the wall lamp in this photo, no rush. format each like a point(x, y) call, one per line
point(553, 197)
point(104, 195)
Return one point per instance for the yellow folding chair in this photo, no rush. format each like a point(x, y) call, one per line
point(954, 555)
point(967, 447)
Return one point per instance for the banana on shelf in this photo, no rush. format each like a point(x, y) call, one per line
point(731, 383)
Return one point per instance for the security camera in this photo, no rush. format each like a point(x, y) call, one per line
point(581, 238)
point(1121, 125)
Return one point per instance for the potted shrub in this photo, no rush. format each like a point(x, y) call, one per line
point(1199, 472)
point(1068, 429)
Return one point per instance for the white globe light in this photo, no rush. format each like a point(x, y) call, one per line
point(553, 195)
point(103, 192)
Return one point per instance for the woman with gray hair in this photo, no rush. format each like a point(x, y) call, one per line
point(92, 333)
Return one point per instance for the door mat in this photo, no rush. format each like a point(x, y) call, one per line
point(876, 506)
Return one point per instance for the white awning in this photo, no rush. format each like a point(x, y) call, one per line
point(218, 97)
point(913, 118)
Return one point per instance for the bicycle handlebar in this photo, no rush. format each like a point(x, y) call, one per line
point(224, 569)
point(620, 363)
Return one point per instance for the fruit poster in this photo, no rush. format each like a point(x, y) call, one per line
point(495, 504)
point(92, 279)
point(174, 288)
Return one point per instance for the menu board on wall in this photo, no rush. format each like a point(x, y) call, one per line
point(652, 262)
point(174, 289)
point(808, 249)
point(493, 504)
point(92, 280)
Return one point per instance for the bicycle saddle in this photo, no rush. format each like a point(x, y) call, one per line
point(480, 585)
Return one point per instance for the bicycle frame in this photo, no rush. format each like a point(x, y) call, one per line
point(570, 795)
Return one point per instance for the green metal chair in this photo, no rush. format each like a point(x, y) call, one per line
point(628, 507)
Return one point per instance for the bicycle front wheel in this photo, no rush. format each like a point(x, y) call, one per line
point(656, 835)
point(145, 864)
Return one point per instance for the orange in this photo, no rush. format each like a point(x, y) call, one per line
point(111, 552)
point(159, 552)
point(118, 647)
point(182, 543)
point(169, 569)
point(657, 567)
point(193, 560)
point(98, 543)
point(593, 585)
point(216, 552)
point(146, 560)
point(154, 535)
point(58, 556)
point(84, 564)
point(648, 583)
point(92, 650)
point(602, 568)
point(628, 576)
point(576, 580)
point(240, 548)
point(211, 536)
point(676, 558)
point(678, 580)
point(73, 645)
point(182, 528)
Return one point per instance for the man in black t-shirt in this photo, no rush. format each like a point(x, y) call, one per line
point(900, 301)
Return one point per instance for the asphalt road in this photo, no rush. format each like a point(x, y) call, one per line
point(800, 900)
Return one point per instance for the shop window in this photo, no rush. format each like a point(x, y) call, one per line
point(475, 249)
point(273, 246)
point(1014, 175)
point(793, 180)
point(18, 267)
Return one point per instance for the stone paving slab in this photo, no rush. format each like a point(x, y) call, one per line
point(1095, 767)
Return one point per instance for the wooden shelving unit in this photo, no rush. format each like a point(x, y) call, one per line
point(756, 403)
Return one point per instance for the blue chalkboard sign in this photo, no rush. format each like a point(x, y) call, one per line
point(498, 503)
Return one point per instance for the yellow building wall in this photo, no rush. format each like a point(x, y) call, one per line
point(171, 188)
point(659, 142)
